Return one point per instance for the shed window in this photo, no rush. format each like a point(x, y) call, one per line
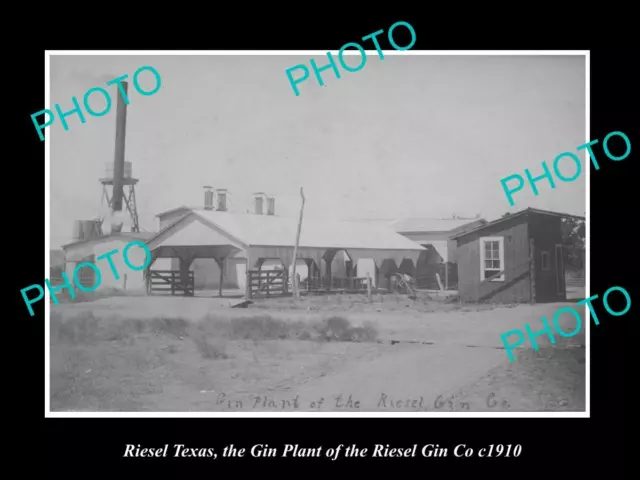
point(545, 260)
point(492, 259)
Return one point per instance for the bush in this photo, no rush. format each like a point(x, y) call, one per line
point(339, 329)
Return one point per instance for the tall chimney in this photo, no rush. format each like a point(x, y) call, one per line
point(271, 205)
point(221, 195)
point(208, 197)
point(118, 161)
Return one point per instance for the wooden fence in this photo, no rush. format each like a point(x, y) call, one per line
point(267, 282)
point(170, 281)
point(355, 284)
point(574, 281)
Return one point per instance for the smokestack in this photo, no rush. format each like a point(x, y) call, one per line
point(221, 195)
point(259, 201)
point(118, 161)
point(271, 205)
point(208, 197)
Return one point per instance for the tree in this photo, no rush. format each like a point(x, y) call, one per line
point(573, 240)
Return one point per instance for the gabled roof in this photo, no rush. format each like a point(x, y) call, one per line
point(415, 225)
point(103, 238)
point(274, 231)
point(173, 210)
point(521, 213)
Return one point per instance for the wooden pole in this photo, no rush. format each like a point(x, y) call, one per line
point(221, 265)
point(247, 285)
point(446, 276)
point(296, 293)
point(369, 287)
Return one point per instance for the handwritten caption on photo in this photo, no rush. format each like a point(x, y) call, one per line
point(332, 63)
point(574, 158)
point(352, 402)
point(117, 81)
point(548, 330)
point(295, 451)
point(98, 275)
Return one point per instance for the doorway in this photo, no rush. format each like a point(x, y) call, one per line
point(559, 266)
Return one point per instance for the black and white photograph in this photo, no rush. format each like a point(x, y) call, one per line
point(228, 235)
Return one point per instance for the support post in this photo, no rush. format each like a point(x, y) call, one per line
point(220, 263)
point(369, 287)
point(296, 294)
point(532, 268)
point(247, 285)
point(446, 275)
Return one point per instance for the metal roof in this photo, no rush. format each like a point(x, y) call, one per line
point(177, 209)
point(272, 230)
point(102, 238)
point(519, 214)
point(409, 225)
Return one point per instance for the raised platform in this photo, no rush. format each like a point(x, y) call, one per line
point(125, 181)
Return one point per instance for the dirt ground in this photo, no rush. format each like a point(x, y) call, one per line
point(197, 354)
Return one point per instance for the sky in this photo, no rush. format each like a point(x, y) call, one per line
point(407, 136)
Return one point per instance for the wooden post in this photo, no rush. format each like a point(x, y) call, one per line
point(285, 281)
point(446, 275)
point(439, 281)
point(268, 272)
point(221, 265)
point(532, 268)
point(369, 287)
point(298, 284)
point(296, 294)
point(247, 285)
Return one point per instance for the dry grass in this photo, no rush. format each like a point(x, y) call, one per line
point(63, 297)
point(115, 363)
point(393, 302)
point(86, 328)
point(551, 379)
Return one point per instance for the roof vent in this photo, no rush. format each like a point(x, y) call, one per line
point(221, 195)
point(258, 199)
point(208, 197)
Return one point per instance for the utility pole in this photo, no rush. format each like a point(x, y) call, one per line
point(294, 278)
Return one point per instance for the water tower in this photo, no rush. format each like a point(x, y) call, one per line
point(119, 176)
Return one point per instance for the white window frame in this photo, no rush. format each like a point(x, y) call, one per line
point(500, 241)
point(543, 254)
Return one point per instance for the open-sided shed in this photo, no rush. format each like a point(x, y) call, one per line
point(244, 241)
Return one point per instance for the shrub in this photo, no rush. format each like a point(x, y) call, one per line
point(339, 329)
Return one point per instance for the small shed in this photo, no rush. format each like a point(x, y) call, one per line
point(88, 250)
point(515, 259)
